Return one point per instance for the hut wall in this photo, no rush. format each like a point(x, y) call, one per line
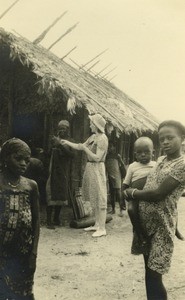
point(3, 129)
point(80, 132)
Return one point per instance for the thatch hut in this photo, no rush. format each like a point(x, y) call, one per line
point(37, 89)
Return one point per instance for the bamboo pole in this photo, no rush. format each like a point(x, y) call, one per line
point(43, 34)
point(8, 9)
point(112, 77)
point(63, 35)
point(75, 63)
point(93, 65)
point(93, 59)
point(68, 52)
point(17, 33)
point(103, 70)
point(109, 72)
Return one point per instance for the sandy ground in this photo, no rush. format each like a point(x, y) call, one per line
point(73, 265)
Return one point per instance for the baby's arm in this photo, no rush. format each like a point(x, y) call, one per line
point(128, 178)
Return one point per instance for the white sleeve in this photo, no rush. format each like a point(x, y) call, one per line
point(89, 140)
point(128, 177)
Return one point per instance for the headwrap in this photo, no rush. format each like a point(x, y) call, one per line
point(63, 123)
point(12, 146)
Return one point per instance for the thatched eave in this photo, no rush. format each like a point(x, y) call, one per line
point(54, 76)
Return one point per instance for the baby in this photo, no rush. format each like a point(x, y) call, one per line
point(136, 178)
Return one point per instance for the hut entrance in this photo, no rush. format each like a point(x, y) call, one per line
point(29, 127)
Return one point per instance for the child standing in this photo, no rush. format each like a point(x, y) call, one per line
point(19, 223)
point(114, 164)
point(158, 207)
point(136, 177)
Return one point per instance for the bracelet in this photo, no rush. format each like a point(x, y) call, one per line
point(132, 194)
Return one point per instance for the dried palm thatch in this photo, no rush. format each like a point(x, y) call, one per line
point(77, 87)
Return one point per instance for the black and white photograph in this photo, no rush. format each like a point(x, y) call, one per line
point(92, 149)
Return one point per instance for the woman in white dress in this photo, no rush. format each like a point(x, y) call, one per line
point(94, 180)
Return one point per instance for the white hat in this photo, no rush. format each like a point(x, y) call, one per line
point(98, 121)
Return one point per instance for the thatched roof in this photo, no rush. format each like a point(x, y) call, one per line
point(54, 78)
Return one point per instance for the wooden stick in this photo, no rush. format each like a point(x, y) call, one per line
point(93, 59)
point(75, 63)
point(109, 72)
point(7, 10)
point(93, 65)
point(17, 33)
point(64, 34)
point(43, 34)
point(68, 53)
point(112, 77)
point(102, 70)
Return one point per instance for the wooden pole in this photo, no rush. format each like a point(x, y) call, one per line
point(7, 10)
point(112, 77)
point(63, 35)
point(93, 59)
point(75, 63)
point(93, 65)
point(102, 70)
point(17, 33)
point(68, 52)
point(109, 72)
point(43, 34)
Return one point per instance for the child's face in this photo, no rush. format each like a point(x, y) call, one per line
point(170, 140)
point(143, 153)
point(18, 162)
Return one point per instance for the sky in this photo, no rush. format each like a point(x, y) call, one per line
point(145, 41)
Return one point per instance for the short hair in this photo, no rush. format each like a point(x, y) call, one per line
point(144, 139)
point(175, 124)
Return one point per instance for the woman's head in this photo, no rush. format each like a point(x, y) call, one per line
point(15, 156)
point(97, 123)
point(63, 128)
point(171, 135)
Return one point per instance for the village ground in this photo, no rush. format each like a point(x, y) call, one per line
point(73, 265)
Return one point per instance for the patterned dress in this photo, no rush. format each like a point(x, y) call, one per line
point(16, 240)
point(58, 183)
point(94, 187)
point(159, 219)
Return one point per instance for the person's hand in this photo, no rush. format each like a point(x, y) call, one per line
point(128, 194)
point(55, 140)
point(63, 142)
point(32, 261)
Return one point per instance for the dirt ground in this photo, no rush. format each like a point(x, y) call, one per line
point(73, 265)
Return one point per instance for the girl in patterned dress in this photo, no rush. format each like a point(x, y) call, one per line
point(94, 180)
point(158, 207)
point(19, 223)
